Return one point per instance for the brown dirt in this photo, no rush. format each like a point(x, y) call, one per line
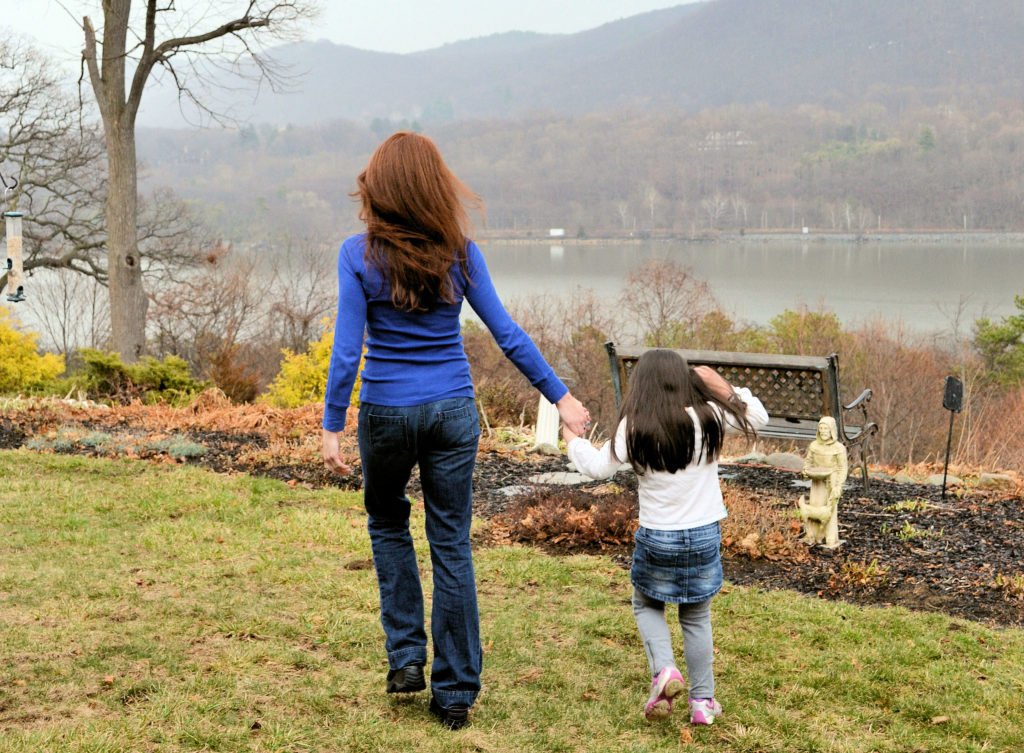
point(903, 543)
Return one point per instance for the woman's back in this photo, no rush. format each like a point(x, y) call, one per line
point(411, 356)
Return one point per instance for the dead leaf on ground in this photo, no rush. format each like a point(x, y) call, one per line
point(529, 675)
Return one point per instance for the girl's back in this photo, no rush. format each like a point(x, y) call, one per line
point(671, 430)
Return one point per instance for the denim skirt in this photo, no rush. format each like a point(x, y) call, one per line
point(678, 567)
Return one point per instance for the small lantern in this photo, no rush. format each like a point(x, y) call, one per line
point(15, 272)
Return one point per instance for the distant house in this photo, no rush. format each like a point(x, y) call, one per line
point(717, 141)
point(556, 232)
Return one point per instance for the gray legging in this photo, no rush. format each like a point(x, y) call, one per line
point(698, 646)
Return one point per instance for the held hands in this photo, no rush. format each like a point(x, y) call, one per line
point(331, 452)
point(574, 416)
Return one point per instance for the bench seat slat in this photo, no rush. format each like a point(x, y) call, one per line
point(783, 428)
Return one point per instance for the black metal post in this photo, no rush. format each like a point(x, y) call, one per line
point(949, 444)
point(952, 400)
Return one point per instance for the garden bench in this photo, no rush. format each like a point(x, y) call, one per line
point(796, 391)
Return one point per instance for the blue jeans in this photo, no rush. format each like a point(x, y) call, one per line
point(442, 438)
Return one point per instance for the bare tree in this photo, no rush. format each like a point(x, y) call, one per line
point(119, 70)
point(667, 302)
point(72, 311)
point(739, 210)
point(205, 316)
point(714, 206)
point(652, 196)
point(302, 294)
point(623, 209)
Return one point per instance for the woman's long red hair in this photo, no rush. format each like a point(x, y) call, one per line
point(417, 226)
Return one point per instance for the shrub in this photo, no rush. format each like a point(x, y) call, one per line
point(861, 575)
point(1001, 345)
point(716, 331)
point(504, 395)
point(105, 376)
point(571, 518)
point(807, 333)
point(21, 365)
point(232, 375)
point(303, 376)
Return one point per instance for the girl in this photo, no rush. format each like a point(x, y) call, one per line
point(671, 428)
point(402, 284)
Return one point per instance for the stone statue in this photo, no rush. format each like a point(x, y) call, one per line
point(826, 466)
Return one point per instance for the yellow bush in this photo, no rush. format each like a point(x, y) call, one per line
point(303, 376)
point(21, 364)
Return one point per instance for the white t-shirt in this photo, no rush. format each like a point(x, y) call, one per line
point(688, 498)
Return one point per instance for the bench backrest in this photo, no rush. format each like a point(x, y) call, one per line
point(803, 388)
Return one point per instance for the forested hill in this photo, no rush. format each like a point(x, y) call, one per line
point(776, 52)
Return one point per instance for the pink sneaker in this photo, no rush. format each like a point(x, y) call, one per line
point(704, 710)
point(664, 687)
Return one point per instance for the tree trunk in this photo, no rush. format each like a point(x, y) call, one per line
point(128, 301)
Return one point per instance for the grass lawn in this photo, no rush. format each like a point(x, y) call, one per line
point(164, 608)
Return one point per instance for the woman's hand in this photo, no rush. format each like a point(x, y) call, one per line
point(330, 450)
point(572, 413)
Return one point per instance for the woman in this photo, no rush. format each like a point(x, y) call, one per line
point(403, 281)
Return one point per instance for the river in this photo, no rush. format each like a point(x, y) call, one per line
point(931, 287)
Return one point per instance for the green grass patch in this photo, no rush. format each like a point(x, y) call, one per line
point(164, 608)
point(910, 505)
point(177, 447)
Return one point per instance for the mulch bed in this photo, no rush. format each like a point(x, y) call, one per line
point(938, 554)
point(949, 561)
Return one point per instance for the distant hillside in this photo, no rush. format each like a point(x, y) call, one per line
point(779, 52)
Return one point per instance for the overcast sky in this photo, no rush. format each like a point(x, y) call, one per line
point(382, 25)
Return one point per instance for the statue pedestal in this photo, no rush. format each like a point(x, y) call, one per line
point(820, 516)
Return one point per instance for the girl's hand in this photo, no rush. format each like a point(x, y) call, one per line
point(330, 450)
point(714, 382)
point(574, 416)
point(568, 435)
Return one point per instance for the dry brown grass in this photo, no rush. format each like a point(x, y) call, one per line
point(570, 518)
point(761, 527)
point(603, 517)
point(211, 411)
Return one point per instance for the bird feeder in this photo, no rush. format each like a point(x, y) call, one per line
point(15, 271)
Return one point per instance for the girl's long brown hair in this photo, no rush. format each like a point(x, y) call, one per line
point(659, 430)
point(414, 208)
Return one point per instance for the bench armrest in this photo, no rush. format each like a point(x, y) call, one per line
point(861, 399)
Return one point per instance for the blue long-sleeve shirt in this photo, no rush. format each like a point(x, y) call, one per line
point(417, 357)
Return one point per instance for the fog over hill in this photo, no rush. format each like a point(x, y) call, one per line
point(686, 58)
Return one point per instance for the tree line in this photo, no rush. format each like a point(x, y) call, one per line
point(742, 168)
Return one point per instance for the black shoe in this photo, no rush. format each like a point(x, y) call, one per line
point(408, 679)
point(453, 717)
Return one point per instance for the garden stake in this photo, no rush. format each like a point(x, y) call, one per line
point(952, 399)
